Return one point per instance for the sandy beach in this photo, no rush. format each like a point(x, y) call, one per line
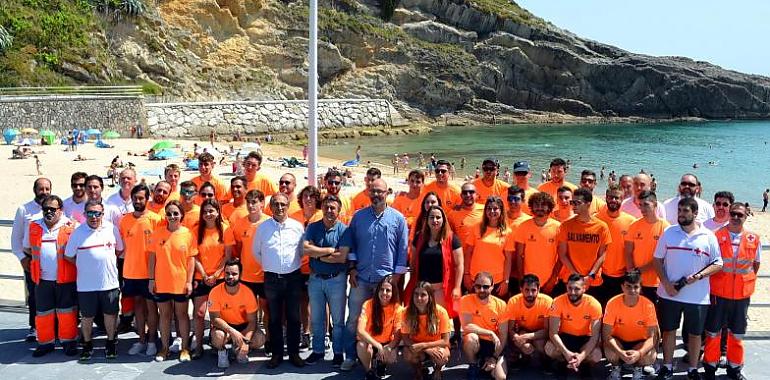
point(58, 165)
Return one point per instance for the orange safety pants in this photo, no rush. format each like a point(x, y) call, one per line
point(56, 306)
point(732, 314)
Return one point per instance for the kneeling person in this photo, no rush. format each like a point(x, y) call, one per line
point(233, 314)
point(628, 329)
point(527, 318)
point(485, 329)
point(573, 326)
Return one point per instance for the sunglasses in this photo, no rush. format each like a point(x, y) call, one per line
point(514, 198)
point(723, 204)
point(737, 214)
point(50, 209)
point(187, 193)
point(489, 168)
point(442, 171)
point(467, 192)
point(173, 214)
point(78, 185)
point(335, 183)
point(484, 287)
point(575, 203)
point(207, 195)
point(94, 214)
point(688, 184)
point(284, 183)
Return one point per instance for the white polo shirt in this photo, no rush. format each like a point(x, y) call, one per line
point(685, 255)
point(95, 257)
point(629, 207)
point(278, 246)
point(49, 265)
point(25, 214)
point(74, 210)
point(125, 206)
point(705, 210)
point(714, 225)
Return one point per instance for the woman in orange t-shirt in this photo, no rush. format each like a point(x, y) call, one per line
point(425, 329)
point(215, 244)
point(171, 261)
point(486, 248)
point(378, 328)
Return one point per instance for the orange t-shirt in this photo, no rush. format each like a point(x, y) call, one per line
point(645, 237)
point(361, 200)
point(540, 247)
point(300, 217)
point(583, 243)
point(229, 208)
point(529, 319)
point(487, 316)
point(449, 194)
point(596, 205)
point(422, 335)
point(243, 233)
point(238, 213)
point(409, 208)
point(391, 320)
point(172, 250)
point(630, 324)
point(463, 221)
point(575, 319)
point(488, 255)
point(158, 209)
point(211, 252)
point(173, 196)
point(498, 188)
point(551, 188)
point(262, 183)
point(136, 235)
point(561, 215)
point(293, 207)
point(232, 308)
point(191, 218)
point(615, 261)
point(221, 190)
point(525, 203)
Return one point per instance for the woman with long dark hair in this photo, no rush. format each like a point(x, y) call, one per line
point(485, 248)
point(378, 328)
point(425, 330)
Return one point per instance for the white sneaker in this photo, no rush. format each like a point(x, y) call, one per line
point(176, 346)
point(348, 365)
point(151, 349)
point(222, 360)
point(638, 373)
point(137, 348)
point(615, 373)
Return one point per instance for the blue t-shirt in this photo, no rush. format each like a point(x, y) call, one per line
point(317, 233)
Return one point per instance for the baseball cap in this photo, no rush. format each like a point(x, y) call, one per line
point(489, 161)
point(521, 167)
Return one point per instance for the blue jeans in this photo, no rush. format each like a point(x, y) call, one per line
point(332, 292)
point(356, 299)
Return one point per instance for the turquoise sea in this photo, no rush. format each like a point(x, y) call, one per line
point(739, 151)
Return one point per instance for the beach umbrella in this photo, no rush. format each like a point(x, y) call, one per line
point(48, 136)
point(165, 144)
point(29, 131)
point(165, 154)
point(10, 134)
point(111, 135)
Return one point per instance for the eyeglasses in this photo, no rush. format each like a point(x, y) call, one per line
point(287, 183)
point(484, 287)
point(734, 214)
point(722, 204)
point(575, 202)
point(588, 180)
point(94, 214)
point(50, 209)
point(514, 198)
point(688, 184)
point(468, 192)
point(207, 195)
point(77, 185)
point(441, 171)
point(335, 183)
point(173, 214)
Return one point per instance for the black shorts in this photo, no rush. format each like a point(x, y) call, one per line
point(651, 292)
point(258, 288)
point(200, 289)
point(137, 288)
point(628, 345)
point(574, 343)
point(105, 300)
point(167, 297)
point(670, 315)
point(239, 327)
point(610, 287)
point(727, 312)
point(486, 350)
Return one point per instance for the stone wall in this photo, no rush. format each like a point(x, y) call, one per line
point(263, 117)
point(61, 114)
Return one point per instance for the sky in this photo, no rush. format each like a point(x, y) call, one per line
point(734, 35)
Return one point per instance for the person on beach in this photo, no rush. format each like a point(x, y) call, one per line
point(121, 199)
point(488, 184)
point(641, 182)
point(160, 195)
point(641, 240)
point(379, 329)
point(188, 195)
point(626, 183)
point(73, 206)
point(408, 203)
point(485, 329)
point(722, 202)
point(286, 186)
point(172, 173)
point(765, 198)
point(485, 248)
point(94, 189)
point(614, 266)
point(689, 187)
point(425, 331)
point(236, 208)
point(449, 193)
point(334, 181)
point(527, 314)
point(358, 154)
point(255, 179)
point(521, 175)
point(558, 171)
point(536, 243)
point(38, 165)
point(206, 174)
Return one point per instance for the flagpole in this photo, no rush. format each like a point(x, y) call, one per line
point(312, 94)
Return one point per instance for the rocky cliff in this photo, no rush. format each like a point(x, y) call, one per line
point(433, 57)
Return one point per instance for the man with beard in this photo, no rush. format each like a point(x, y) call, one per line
point(26, 213)
point(536, 242)
point(160, 195)
point(237, 207)
point(641, 182)
point(135, 230)
point(333, 179)
point(686, 255)
point(485, 329)
point(488, 184)
point(73, 206)
point(206, 174)
point(588, 181)
point(689, 187)
point(54, 279)
point(361, 200)
point(121, 199)
point(233, 314)
point(286, 185)
point(255, 180)
point(574, 328)
point(447, 192)
point(614, 266)
point(722, 202)
point(558, 170)
point(527, 320)
point(467, 214)
point(641, 240)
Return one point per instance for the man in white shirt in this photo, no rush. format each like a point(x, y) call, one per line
point(94, 248)
point(73, 206)
point(641, 182)
point(684, 257)
point(278, 247)
point(121, 199)
point(689, 187)
point(722, 202)
point(25, 214)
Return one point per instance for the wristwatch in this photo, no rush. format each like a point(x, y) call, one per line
point(592, 275)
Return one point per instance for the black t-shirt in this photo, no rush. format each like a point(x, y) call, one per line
point(432, 262)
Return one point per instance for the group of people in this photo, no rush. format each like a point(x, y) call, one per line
point(511, 274)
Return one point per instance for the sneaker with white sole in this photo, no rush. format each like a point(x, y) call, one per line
point(348, 365)
point(137, 348)
point(176, 346)
point(615, 373)
point(223, 361)
point(638, 373)
point(152, 349)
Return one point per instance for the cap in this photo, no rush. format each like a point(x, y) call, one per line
point(489, 161)
point(521, 167)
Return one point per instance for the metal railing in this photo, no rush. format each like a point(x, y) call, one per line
point(70, 91)
point(8, 223)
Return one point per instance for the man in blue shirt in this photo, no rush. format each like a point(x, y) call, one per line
point(327, 279)
point(375, 244)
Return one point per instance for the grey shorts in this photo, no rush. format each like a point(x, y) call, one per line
point(105, 300)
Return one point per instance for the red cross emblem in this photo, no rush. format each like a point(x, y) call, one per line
point(109, 244)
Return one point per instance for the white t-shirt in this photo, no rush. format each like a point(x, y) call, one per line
point(124, 206)
point(76, 211)
point(49, 264)
point(629, 207)
point(705, 210)
point(95, 255)
point(684, 255)
point(25, 214)
point(713, 225)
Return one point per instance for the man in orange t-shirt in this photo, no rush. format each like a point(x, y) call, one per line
point(563, 210)
point(333, 179)
point(535, 242)
point(641, 240)
point(206, 174)
point(159, 199)
point(574, 328)
point(408, 203)
point(614, 266)
point(233, 315)
point(286, 185)
point(629, 327)
point(361, 200)
point(514, 217)
point(188, 191)
point(521, 175)
point(238, 204)
point(558, 169)
point(488, 184)
point(243, 232)
point(485, 329)
point(588, 181)
point(255, 180)
point(448, 193)
point(467, 215)
point(527, 319)
point(583, 242)
point(171, 174)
